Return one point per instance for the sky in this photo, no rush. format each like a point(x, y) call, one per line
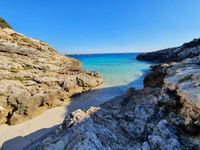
point(105, 26)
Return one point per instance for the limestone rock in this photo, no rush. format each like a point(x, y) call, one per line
point(180, 74)
point(121, 123)
point(165, 115)
point(187, 50)
point(34, 77)
point(156, 76)
point(185, 79)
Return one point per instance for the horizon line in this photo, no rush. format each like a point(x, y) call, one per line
point(108, 53)
point(104, 53)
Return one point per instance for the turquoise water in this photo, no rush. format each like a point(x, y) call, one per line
point(117, 69)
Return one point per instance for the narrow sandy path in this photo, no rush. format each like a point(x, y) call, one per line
point(18, 136)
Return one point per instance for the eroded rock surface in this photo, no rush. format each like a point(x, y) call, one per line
point(138, 120)
point(34, 77)
point(181, 68)
point(162, 116)
point(187, 50)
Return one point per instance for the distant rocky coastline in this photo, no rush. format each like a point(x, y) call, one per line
point(165, 115)
point(34, 77)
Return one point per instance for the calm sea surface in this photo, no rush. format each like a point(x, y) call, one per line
point(120, 72)
point(117, 69)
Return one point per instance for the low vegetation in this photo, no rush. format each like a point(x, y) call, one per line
point(2, 94)
point(21, 39)
point(186, 78)
point(4, 24)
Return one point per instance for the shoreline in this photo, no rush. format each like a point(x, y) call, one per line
point(27, 132)
point(162, 115)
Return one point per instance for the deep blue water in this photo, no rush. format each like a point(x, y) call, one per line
point(117, 69)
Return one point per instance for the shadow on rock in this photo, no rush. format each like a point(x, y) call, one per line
point(82, 101)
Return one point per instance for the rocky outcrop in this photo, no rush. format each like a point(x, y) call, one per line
point(4, 24)
point(156, 76)
point(139, 120)
point(182, 75)
point(34, 77)
point(184, 78)
point(164, 115)
point(187, 50)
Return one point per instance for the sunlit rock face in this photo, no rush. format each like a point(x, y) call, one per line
point(181, 69)
point(164, 115)
point(34, 77)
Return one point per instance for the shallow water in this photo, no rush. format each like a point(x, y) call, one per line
point(120, 72)
point(117, 69)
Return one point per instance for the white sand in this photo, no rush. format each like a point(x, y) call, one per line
point(18, 136)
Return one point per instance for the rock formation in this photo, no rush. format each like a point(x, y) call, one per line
point(144, 119)
point(180, 71)
point(4, 24)
point(187, 50)
point(34, 77)
point(162, 116)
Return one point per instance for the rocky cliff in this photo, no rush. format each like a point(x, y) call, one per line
point(162, 116)
point(34, 77)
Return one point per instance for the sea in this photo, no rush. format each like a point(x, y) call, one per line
point(116, 69)
point(120, 71)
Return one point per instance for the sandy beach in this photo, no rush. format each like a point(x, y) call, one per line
point(21, 135)
point(31, 130)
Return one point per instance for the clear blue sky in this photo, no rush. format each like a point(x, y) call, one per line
point(97, 26)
